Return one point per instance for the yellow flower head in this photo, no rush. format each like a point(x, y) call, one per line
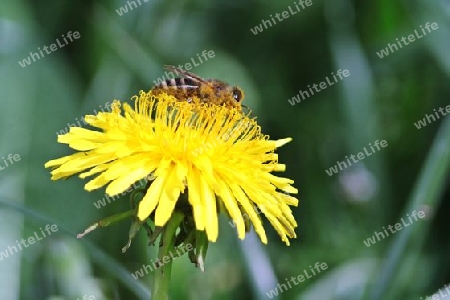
point(215, 154)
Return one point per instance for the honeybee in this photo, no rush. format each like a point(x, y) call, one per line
point(189, 85)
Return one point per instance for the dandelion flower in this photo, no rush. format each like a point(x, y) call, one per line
point(215, 154)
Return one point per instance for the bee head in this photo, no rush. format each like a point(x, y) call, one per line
point(237, 94)
point(231, 96)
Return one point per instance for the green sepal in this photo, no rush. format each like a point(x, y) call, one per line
point(201, 248)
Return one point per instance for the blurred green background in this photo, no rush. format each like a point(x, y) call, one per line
point(118, 55)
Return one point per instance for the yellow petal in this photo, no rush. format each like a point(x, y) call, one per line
point(245, 202)
point(151, 199)
point(210, 210)
point(232, 207)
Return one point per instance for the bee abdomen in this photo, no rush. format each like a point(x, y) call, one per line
point(183, 83)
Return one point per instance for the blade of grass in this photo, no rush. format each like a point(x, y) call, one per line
point(357, 101)
point(98, 256)
point(426, 194)
point(259, 267)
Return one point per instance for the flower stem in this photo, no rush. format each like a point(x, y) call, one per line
point(161, 283)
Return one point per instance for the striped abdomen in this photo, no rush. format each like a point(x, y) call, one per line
point(186, 86)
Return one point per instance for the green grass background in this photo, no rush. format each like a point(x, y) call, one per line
point(117, 56)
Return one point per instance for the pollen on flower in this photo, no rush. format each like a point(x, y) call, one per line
point(215, 154)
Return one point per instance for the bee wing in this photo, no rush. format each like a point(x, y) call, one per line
point(184, 73)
